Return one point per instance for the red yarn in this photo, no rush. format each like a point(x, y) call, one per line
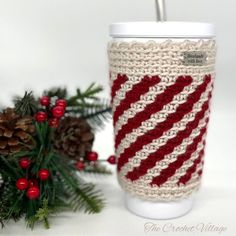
point(171, 169)
point(151, 160)
point(199, 172)
point(121, 79)
point(134, 94)
point(185, 178)
point(161, 128)
point(160, 100)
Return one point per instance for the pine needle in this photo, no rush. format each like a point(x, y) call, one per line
point(26, 105)
point(98, 114)
point(81, 195)
point(56, 92)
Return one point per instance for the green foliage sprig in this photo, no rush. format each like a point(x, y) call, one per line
point(86, 104)
point(64, 189)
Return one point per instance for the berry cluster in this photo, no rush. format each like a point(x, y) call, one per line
point(93, 157)
point(51, 113)
point(31, 185)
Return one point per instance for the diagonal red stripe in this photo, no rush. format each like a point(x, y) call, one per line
point(185, 178)
point(159, 155)
point(134, 94)
point(171, 169)
point(160, 100)
point(163, 126)
point(121, 79)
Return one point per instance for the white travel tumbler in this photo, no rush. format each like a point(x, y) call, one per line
point(161, 77)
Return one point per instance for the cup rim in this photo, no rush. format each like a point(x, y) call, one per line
point(167, 29)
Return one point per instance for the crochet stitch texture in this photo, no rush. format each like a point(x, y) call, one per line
point(160, 115)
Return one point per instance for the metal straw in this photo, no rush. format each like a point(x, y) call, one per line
point(160, 10)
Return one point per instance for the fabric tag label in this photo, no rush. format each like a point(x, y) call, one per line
point(194, 58)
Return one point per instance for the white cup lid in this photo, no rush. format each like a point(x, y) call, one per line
point(162, 30)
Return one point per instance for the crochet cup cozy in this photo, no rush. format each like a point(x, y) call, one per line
point(160, 101)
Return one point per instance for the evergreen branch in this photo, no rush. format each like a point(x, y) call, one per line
point(15, 207)
point(63, 188)
point(11, 202)
point(81, 97)
point(8, 168)
point(56, 92)
point(20, 154)
point(41, 215)
point(92, 91)
point(95, 112)
point(81, 195)
point(26, 105)
point(87, 198)
point(97, 115)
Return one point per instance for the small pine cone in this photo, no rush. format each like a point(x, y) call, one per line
point(73, 137)
point(15, 132)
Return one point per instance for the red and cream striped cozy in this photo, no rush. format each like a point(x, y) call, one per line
point(160, 115)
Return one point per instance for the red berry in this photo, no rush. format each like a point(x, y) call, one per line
point(58, 111)
point(24, 162)
point(112, 159)
point(61, 102)
point(41, 116)
point(92, 156)
point(33, 192)
point(45, 101)
point(43, 174)
point(54, 122)
point(22, 184)
point(80, 165)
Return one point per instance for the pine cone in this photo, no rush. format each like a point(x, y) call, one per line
point(15, 132)
point(73, 137)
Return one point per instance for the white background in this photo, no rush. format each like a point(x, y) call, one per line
point(63, 42)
